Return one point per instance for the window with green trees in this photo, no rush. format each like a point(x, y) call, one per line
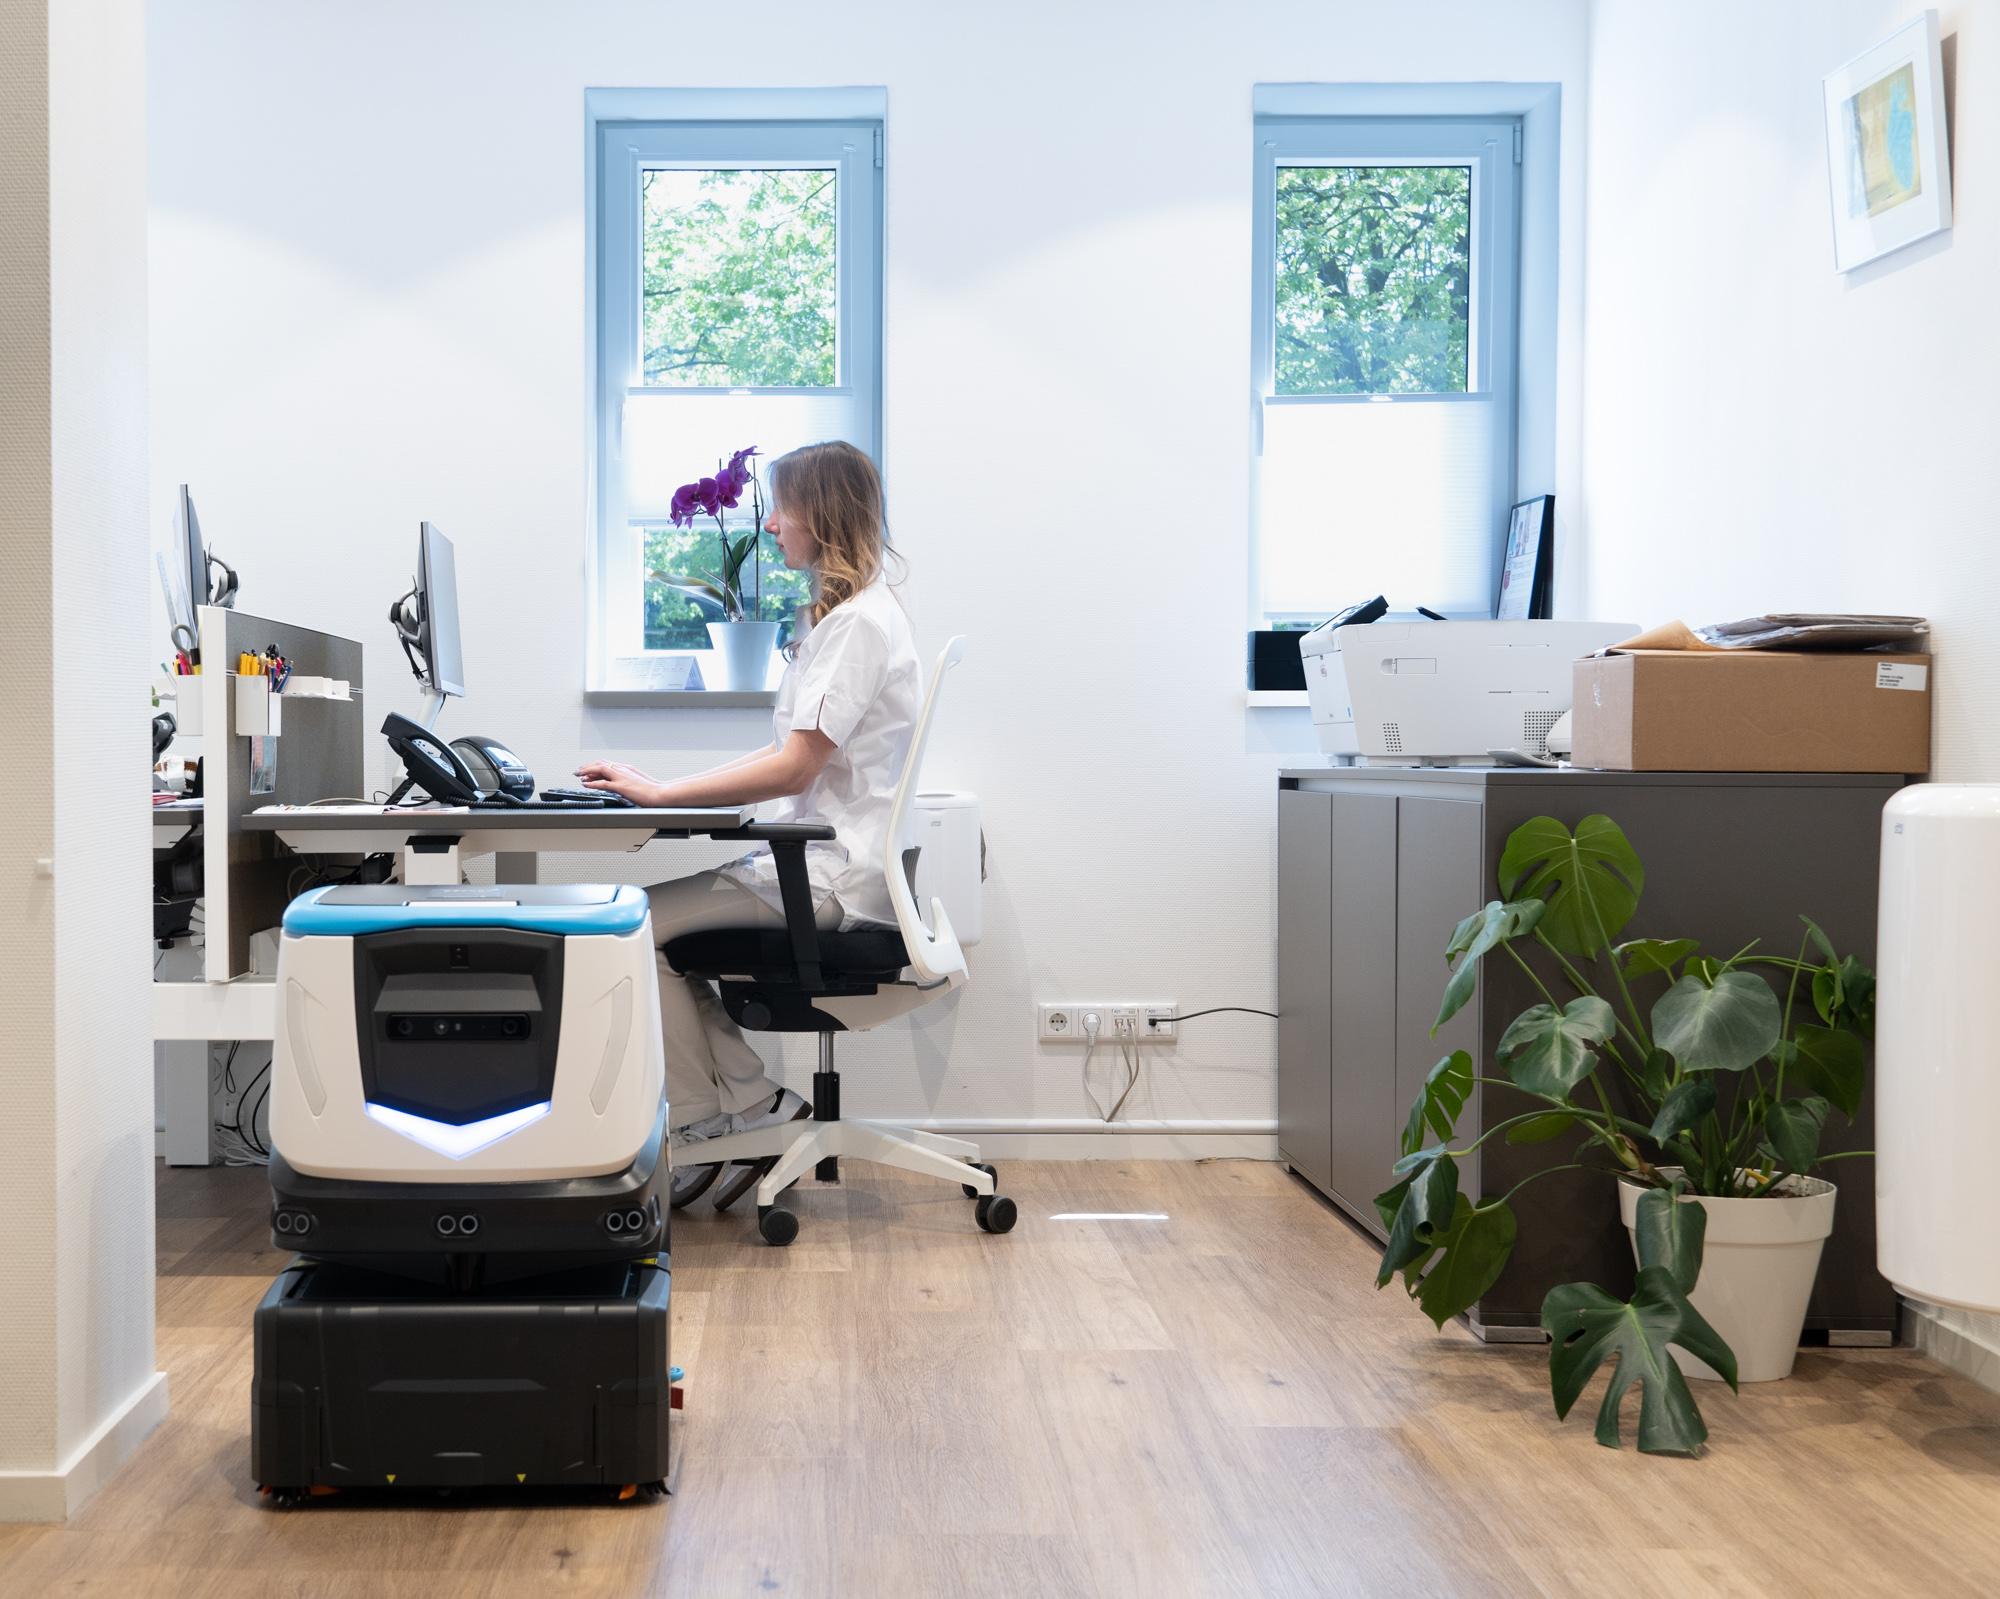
point(1384, 362)
point(1374, 279)
point(738, 301)
point(739, 277)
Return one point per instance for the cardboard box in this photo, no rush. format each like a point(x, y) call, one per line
point(1753, 711)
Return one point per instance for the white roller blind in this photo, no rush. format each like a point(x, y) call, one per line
point(673, 438)
point(1392, 498)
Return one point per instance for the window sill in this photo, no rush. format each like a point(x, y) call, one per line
point(712, 699)
point(1270, 699)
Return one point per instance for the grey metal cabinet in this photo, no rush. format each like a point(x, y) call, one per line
point(1377, 865)
point(1362, 890)
point(1305, 918)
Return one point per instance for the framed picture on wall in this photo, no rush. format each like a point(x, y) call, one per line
point(1888, 169)
point(1528, 568)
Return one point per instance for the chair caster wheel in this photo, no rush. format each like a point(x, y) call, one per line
point(979, 1165)
point(778, 1225)
point(995, 1213)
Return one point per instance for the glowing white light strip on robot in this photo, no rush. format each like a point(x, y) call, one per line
point(457, 1141)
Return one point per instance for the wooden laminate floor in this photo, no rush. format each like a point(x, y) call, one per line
point(1219, 1403)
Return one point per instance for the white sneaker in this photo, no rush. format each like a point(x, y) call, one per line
point(708, 1127)
point(785, 1107)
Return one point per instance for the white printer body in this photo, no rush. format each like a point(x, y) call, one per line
point(1444, 693)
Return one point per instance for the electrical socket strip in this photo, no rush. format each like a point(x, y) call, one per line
point(1066, 1022)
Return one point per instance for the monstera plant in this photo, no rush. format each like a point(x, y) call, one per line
point(1678, 1070)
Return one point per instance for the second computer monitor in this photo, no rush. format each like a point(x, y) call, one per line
point(437, 604)
point(192, 558)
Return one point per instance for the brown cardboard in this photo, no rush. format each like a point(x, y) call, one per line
point(1753, 711)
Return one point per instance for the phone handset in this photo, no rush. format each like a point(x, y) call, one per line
point(430, 764)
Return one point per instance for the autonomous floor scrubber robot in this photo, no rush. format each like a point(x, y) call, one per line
point(468, 1134)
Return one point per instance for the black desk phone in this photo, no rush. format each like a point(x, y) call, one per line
point(476, 770)
point(473, 770)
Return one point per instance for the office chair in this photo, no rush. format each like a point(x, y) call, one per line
point(802, 980)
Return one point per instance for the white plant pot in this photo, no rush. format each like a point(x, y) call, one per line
point(743, 650)
point(1758, 1262)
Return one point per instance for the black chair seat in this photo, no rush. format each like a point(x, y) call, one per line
point(767, 952)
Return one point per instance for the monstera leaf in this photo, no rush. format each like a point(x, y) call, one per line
point(1479, 932)
point(1669, 1234)
point(1643, 955)
point(1587, 1327)
point(1831, 1063)
point(1792, 1127)
point(1720, 1026)
point(1471, 1255)
point(1541, 1129)
point(1686, 1103)
point(1418, 1210)
point(1589, 881)
point(1439, 1101)
point(1547, 1050)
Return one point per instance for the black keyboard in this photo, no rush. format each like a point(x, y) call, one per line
point(586, 796)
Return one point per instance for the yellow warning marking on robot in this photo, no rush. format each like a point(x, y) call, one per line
point(391, 1476)
point(520, 1476)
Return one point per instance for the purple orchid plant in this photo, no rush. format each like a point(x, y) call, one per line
point(711, 496)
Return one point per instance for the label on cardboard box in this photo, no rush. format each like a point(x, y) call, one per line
point(1901, 674)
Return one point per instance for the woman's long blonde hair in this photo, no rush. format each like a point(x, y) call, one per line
point(834, 489)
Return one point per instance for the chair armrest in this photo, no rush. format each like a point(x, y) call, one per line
point(788, 842)
point(779, 832)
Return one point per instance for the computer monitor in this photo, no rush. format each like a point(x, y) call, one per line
point(437, 607)
point(193, 556)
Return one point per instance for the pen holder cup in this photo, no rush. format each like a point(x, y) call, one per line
point(259, 712)
point(181, 696)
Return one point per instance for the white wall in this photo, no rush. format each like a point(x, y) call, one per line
point(367, 256)
point(1762, 433)
point(77, 1384)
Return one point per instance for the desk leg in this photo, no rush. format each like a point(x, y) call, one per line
point(432, 862)
point(184, 1104)
point(514, 868)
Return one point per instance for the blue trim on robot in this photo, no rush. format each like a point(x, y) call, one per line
point(314, 915)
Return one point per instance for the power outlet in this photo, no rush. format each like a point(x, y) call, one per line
point(1066, 1022)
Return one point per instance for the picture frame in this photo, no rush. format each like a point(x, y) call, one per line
point(1887, 161)
point(1527, 569)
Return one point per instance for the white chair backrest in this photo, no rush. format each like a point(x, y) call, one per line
point(933, 948)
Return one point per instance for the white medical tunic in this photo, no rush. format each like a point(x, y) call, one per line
point(855, 677)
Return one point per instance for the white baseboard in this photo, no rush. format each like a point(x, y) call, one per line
point(1053, 1138)
point(1969, 1351)
point(58, 1495)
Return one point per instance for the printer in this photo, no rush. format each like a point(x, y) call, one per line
point(1431, 693)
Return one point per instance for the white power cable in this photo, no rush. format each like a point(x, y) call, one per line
point(1092, 1022)
point(1128, 1052)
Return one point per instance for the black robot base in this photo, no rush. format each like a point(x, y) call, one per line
point(370, 1381)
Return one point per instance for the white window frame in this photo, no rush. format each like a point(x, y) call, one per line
point(629, 132)
point(1530, 113)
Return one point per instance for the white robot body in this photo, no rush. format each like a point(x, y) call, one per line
point(466, 1068)
point(607, 1089)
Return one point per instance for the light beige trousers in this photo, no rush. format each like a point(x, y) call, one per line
point(710, 1064)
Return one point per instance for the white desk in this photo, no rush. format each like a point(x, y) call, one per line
point(434, 845)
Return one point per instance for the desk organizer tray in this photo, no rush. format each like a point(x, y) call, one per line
point(369, 1381)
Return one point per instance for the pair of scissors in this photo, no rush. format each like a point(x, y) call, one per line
point(186, 647)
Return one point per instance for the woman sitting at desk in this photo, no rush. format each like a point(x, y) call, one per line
point(846, 709)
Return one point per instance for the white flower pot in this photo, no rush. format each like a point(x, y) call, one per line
point(1758, 1262)
point(743, 650)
